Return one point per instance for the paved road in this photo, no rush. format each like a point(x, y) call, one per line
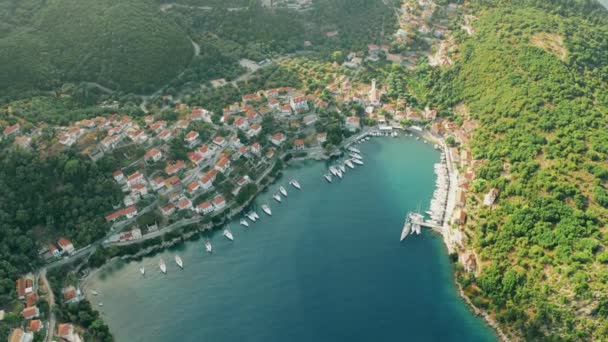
point(50, 298)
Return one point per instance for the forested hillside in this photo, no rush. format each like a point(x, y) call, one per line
point(44, 199)
point(123, 45)
point(535, 76)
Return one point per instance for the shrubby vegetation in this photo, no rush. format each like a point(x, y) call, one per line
point(543, 110)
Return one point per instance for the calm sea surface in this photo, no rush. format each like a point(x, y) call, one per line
point(327, 266)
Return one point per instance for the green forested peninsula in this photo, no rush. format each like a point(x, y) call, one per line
point(535, 77)
point(122, 45)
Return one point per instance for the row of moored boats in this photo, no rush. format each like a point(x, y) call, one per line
point(338, 170)
point(227, 233)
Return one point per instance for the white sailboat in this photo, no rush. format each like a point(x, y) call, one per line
point(228, 234)
point(350, 164)
point(257, 217)
point(94, 293)
point(283, 191)
point(162, 266)
point(142, 270)
point(179, 261)
point(244, 222)
point(208, 246)
point(251, 216)
point(357, 161)
point(295, 184)
point(339, 174)
point(333, 171)
point(267, 210)
point(327, 177)
point(355, 150)
point(342, 168)
point(277, 197)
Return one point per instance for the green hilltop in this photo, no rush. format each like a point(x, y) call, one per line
point(122, 45)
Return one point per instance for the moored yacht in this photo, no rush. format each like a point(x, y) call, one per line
point(349, 164)
point(208, 246)
point(356, 156)
point(244, 222)
point(342, 168)
point(327, 177)
point(267, 210)
point(333, 170)
point(355, 150)
point(257, 217)
point(179, 261)
point(277, 197)
point(339, 173)
point(283, 191)
point(357, 161)
point(251, 216)
point(228, 234)
point(295, 184)
point(162, 266)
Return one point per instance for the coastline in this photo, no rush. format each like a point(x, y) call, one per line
point(452, 241)
point(452, 238)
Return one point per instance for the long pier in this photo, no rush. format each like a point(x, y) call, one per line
point(428, 224)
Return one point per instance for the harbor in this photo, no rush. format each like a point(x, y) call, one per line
point(327, 254)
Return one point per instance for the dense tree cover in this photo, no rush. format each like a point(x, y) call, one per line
point(43, 199)
point(123, 45)
point(545, 115)
point(260, 32)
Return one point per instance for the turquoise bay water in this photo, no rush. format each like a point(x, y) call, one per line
point(327, 266)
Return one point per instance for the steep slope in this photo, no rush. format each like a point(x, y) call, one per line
point(537, 84)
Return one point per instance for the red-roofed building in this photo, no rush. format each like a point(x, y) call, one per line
point(35, 325)
point(286, 110)
point(21, 288)
point(195, 158)
point(136, 178)
point(241, 123)
point(256, 148)
point(65, 331)
point(193, 186)
point(274, 104)
point(54, 250)
point(219, 202)
point(182, 124)
point(128, 212)
point(191, 138)
point(298, 144)
point(299, 104)
point(31, 299)
point(118, 176)
point(157, 183)
point(254, 130)
point(219, 141)
point(66, 245)
point(222, 165)
point(205, 151)
point(204, 208)
point(184, 204)
point(30, 312)
point(165, 135)
point(278, 139)
point(158, 126)
point(14, 129)
point(174, 168)
point(353, 123)
point(153, 154)
point(173, 183)
point(168, 209)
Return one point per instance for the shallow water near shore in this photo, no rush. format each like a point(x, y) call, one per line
point(327, 266)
